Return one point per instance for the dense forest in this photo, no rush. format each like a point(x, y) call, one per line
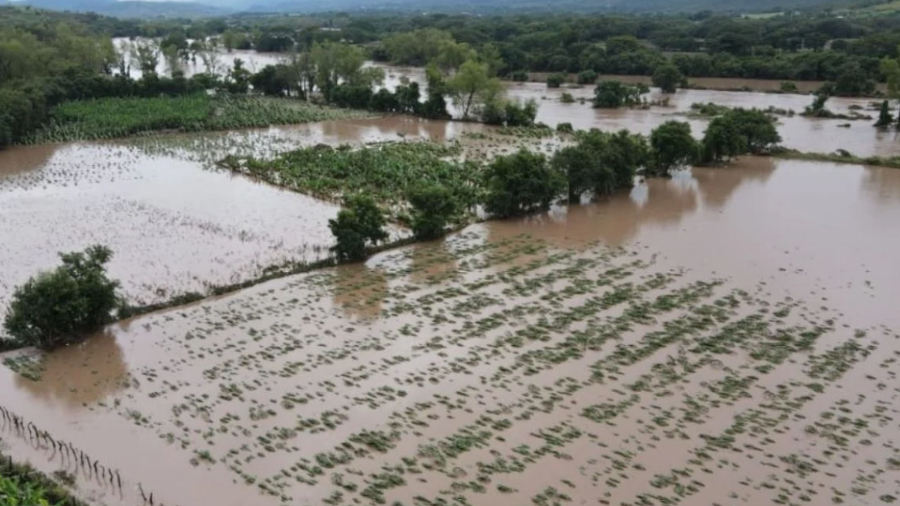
point(48, 58)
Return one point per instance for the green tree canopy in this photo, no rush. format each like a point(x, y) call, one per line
point(358, 224)
point(521, 183)
point(667, 77)
point(672, 146)
point(64, 304)
point(433, 207)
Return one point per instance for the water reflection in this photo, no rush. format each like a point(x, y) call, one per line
point(20, 159)
point(359, 290)
point(432, 262)
point(882, 185)
point(80, 374)
point(618, 219)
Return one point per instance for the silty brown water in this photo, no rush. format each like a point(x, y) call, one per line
point(584, 342)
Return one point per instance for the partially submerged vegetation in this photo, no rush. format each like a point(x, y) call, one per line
point(123, 117)
point(22, 485)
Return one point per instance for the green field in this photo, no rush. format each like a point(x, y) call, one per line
point(111, 118)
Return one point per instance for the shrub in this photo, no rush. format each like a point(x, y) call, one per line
point(520, 76)
point(555, 80)
point(587, 77)
point(521, 183)
point(358, 224)
point(433, 207)
point(613, 94)
point(788, 87)
point(61, 305)
point(565, 128)
point(567, 98)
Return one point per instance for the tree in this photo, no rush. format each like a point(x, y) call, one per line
point(471, 85)
point(521, 183)
point(884, 116)
point(435, 106)
point(580, 166)
point(667, 77)
point(146, 53)
point(673, 146)
point(853, 81)
point(359, 223)
point(238, 81)
point(756, 128)
point(721, 141)
point(587, 77)
point(433, 207)
point(601, 162)
point(613, 94)
point(66, 303)
point(890, 69)
point(272, 80)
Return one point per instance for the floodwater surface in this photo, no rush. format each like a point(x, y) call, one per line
point(725, 336)
point(173, 227)
point(805, 134)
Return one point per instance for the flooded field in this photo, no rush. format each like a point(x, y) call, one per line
point(705, 340)
point(173, 226)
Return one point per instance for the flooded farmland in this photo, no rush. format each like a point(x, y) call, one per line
point(725, 336)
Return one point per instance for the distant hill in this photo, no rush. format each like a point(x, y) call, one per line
point(128, 9)
point(556, 6)
point(186, 9)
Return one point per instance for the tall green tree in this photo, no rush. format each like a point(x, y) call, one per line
point(667, 77)
point(472, 85)
point(672, 146)
point(521, 183)
point(433, 207)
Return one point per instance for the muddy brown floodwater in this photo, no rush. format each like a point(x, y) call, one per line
point(804, 134)
point(173, 226)
point(727, 336)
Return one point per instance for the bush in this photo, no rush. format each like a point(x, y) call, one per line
point(565, 128)
point(788, 87)
point(587, 77)
point(521, 183)
point(519, 76)
point(555, 80)
point(64, 304)
point(509, 113)
point(433, 207)
point(358, 224)
point(567, 98)
point(613, 94)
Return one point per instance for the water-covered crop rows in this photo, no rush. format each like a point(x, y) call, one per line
point(511, 372)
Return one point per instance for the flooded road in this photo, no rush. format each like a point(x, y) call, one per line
point(724, 336)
